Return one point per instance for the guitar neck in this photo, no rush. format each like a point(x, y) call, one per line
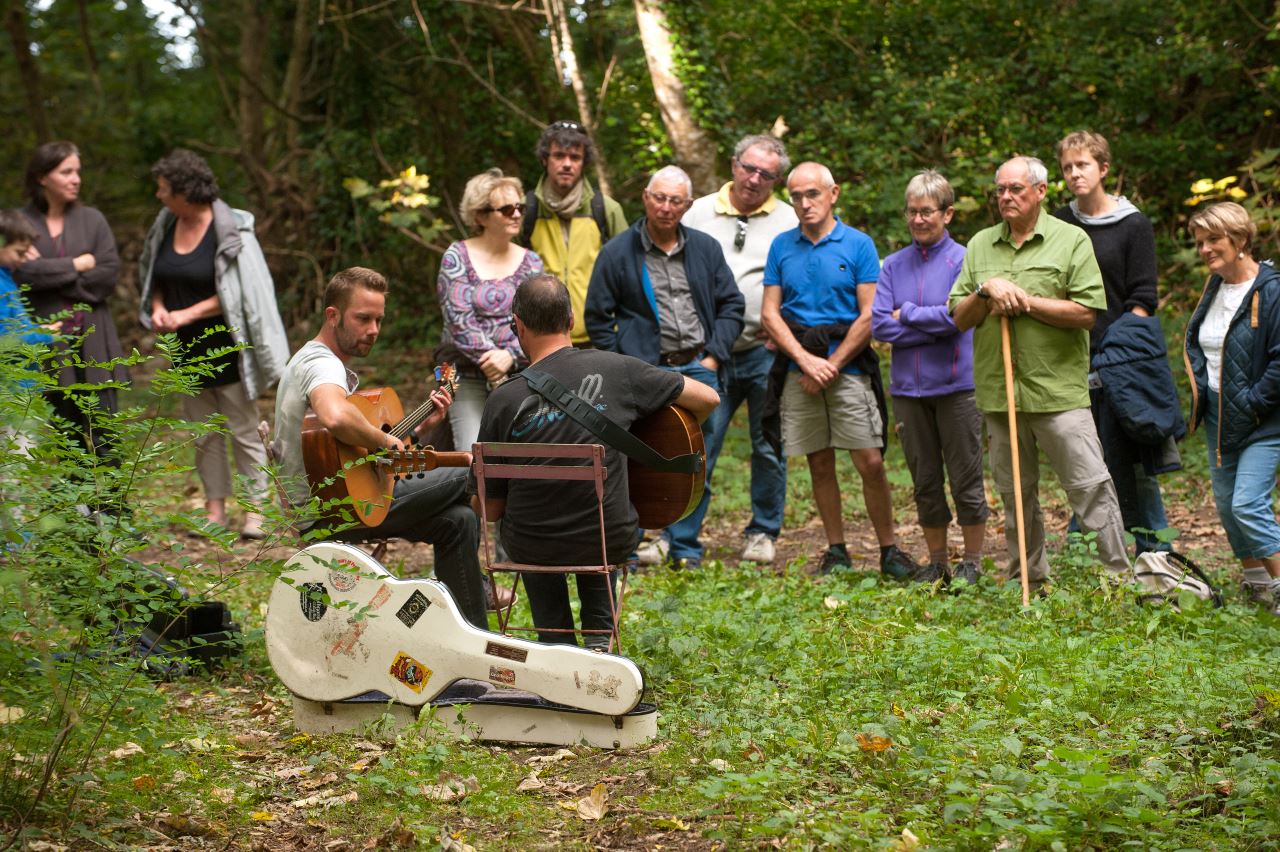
point(413, 420)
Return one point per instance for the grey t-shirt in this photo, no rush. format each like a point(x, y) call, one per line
point(556, 523)
point(311, 366)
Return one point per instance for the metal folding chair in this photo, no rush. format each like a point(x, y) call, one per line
point(486, 465)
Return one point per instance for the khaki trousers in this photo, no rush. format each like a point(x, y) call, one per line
point(1070, 442)
point(211, 449)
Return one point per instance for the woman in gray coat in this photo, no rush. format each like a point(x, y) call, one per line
point(204, 279)
point(72, 268)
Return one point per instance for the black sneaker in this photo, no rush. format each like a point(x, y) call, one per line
point(833, 559)
point(967, 571)
point(897, 564)
point(929, 573)
point(686, 563)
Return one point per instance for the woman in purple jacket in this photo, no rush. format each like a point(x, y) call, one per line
point(931, 377)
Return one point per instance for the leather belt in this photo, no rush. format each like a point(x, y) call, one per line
point(680, 357)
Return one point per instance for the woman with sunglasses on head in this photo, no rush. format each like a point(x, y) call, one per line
point(72, 262)
point(1232, 356)
point(477, 281)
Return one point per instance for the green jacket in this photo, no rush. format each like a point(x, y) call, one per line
point(572, 261)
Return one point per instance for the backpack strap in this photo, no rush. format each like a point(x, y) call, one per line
point(597, 213)
point(529, 219)
point(1204, 578)
point(585, 415)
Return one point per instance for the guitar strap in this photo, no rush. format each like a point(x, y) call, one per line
point(585, 415)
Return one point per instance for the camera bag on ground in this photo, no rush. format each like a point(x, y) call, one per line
point(1163, 575)
point(186, 631)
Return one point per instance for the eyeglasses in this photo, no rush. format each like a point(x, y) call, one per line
point(740, 238)
point(566, 125)
point(763, 174)
point(922, 212)
point(808, 195)
point(1008, 189)
point(511, 324)
point(666, 200)
point(508, 210)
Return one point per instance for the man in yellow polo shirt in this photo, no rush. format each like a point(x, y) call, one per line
point(566, 221)
point(1042, 274)
point(744, 217)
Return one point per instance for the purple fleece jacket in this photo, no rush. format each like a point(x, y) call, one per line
point(930, 355)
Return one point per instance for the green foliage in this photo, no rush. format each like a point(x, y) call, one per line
point(74, 599)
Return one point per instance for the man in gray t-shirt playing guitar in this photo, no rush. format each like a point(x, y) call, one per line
point(556, 523)
point(430, 506)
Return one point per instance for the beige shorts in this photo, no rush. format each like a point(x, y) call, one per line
point(844, 416)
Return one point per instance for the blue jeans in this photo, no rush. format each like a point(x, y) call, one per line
point(683, 534)
point(748, 381)
point(1242, 487)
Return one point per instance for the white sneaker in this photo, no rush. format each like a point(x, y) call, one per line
point(653, 552)
point(757, 547)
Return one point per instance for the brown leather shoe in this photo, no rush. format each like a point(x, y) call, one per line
point(499, 598)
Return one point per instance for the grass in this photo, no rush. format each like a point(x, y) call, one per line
point(797, 712)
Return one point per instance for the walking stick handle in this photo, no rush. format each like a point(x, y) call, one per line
point(1006, 349)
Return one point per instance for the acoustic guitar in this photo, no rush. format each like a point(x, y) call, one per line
point(660, 498)
point(340, 625)
point(338, 471)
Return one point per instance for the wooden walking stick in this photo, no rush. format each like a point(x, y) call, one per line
point(1007, 350)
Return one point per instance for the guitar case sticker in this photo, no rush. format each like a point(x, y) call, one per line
point(607, 687)
point(413, 608)
point(410, 672)
point(493, 649)
point(498, 674)
point(347, 640)
point(346, 578)
point(380, 597)
point(311, 600)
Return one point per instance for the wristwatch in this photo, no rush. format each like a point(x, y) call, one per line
point(981, 294)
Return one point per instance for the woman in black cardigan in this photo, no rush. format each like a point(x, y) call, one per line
point(72, 267)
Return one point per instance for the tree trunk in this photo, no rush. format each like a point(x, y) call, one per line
point(253, 49)
point(694, 148)
point(566, 62)
point(16, 23)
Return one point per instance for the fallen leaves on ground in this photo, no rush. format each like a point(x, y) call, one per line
point(871, 742)
point(530, 782)
point(451, 787)
point(125, 750)
point(449, 843)
point(184, 825)
point(395, 837)
point(562, 754)
point(595, 805)
point(326, 799)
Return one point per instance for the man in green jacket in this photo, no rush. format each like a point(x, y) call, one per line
point(566, 221)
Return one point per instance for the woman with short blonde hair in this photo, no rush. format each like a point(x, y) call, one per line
point(478, 279)
point(1232, 355)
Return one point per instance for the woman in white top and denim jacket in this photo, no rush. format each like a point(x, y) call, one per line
point(1232, 356)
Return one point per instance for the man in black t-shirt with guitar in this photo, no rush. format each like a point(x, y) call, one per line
point(553, 522)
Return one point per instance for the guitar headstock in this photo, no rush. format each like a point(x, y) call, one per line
point(447, 378)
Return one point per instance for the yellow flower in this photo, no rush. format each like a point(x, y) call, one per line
point(1193, 200)
point(1201, 186)
point(417, 199)
point(1237, 193)
point(1225, 182)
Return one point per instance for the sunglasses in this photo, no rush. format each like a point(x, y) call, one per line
point(740, 237)
point(566, 125)
point(763, 174)
point(508, 210)
point(511, 324)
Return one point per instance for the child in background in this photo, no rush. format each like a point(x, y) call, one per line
point(16, 237)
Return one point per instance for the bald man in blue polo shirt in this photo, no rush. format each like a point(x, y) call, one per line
point(819, 283)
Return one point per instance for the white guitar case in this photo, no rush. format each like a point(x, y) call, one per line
point(339, 626)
